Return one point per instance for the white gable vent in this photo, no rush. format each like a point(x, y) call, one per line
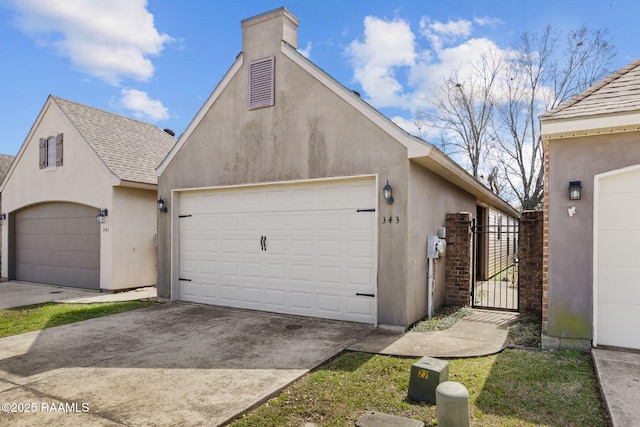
point(262, 83)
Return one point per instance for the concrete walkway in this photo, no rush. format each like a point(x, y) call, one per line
point(483, 333)
point(480, 334)
point(619, 377)
point(18, 294)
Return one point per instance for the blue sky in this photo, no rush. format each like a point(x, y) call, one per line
point(158, 60)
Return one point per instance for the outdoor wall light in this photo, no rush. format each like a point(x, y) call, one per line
point(386, 193)
point(161, 206)
point(3, 217)
point(575, 190)
point(101, 217)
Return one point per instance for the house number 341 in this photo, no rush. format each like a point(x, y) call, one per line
point(390, 220)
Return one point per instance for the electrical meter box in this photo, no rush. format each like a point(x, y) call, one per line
point(426, 374)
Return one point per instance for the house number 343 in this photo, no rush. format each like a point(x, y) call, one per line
point(390, 220)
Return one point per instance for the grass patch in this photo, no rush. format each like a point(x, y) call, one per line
point(443, 318)
point(14, 321)
point(513, 388)
point(526, 331)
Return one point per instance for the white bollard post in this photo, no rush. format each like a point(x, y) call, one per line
point(452, 401)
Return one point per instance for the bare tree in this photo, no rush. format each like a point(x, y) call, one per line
point(463, 109)
point(488, 112)
point(547, 70)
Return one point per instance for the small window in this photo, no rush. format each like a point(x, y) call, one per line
point(262, 83)
point(51, 151)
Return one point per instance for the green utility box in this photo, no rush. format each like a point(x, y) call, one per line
point(426, 374)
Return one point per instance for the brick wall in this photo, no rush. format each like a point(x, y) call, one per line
point(458, 263)
point(530, 267)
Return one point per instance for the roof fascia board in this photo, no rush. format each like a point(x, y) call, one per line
point(34, 126)
point(413, 145)
point(233, 70)
point(423, 153)
point(135, 184)
point(590, 125)
point(51, 101)
point(115, 179)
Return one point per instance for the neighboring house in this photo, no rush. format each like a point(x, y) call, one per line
point(5, 163)
point(592, 243)
point(275, 195)
point(75, 162)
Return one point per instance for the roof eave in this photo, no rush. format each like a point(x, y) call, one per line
point(601, 124)
point(418, 150)
point(201, 113)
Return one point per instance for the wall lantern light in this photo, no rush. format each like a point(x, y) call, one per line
point(101, 217)
point(386, 193)
point(3, 217)
point(161, 206)
point(575, 190)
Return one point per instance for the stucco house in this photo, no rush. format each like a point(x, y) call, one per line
point(276, 195)
point(592, 233)
point(79, 165)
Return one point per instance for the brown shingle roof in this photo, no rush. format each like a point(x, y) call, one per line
point(131, 149)
point(5, 163)
point(618, 93)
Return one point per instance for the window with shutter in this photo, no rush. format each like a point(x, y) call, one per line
point(50, 151)
point(43, 153)
point(262, 83)
point(59, 149)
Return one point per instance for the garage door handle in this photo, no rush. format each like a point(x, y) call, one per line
point(358, 294)
point(263, 243)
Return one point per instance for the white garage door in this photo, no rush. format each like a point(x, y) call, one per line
point(617, 258)
point(306, 249)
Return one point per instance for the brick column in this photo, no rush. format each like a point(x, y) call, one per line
point(531, 261)
point(458, 263)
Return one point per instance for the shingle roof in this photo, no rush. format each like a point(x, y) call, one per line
point(131, 149)
point(618, 93)
point(5, 163)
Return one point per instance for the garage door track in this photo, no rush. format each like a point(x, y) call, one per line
point(170, 364)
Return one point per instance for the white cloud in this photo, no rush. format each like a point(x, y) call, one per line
point(391, 46)
point(108, 39)
point(306, 52)
point(143, 107)
point(442, 33)
point(387, 46)
point(487, 21)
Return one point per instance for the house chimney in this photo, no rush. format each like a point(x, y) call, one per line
point(262, 34)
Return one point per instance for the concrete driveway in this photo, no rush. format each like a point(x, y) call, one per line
point(170, 364)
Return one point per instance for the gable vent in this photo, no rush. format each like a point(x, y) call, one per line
point(262, 83)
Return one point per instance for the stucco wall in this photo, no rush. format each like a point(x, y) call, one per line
point(133, 226)
point(81, 179)
point(570, 248)
point(84, 179)
point(309, 133)
point(432, 198)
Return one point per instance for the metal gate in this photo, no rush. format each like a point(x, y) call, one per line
point(495, 263)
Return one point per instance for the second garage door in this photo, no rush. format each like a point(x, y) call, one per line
point(617, 258)
point(58, 244)
point(305, 249)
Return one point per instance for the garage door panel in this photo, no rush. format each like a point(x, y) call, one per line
point(617, 250)
point(619, 247)
point(617, 284)
point(615, 331)
point(314, 236)
point(58, 243)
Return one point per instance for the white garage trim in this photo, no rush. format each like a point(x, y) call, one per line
point(598, 240)
point(319, 258)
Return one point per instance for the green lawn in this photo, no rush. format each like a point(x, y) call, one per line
point(513, 388)
point(30, 318)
